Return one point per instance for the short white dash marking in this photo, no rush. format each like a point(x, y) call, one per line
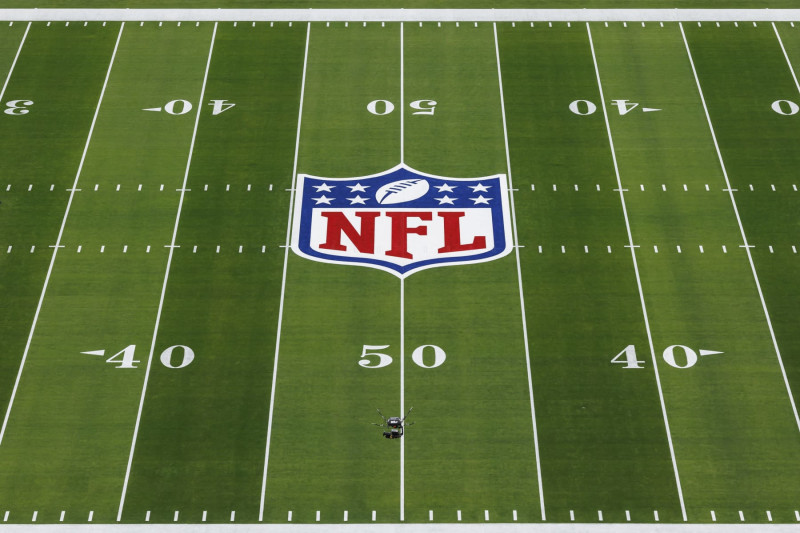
point(52, 186)
point(554, 187)
point(430, 515)
point(794, 188)
point(576, 186)
point(533, 187)
point(655, 248)
point(563, 250)
point(117, 186)
point(270, 186)
point(228, 187)
point(769, 516)
point(641, 186)
point(628, 516)
point(35, 514)
point(586, 249)
point(140, 187)
point(374, 515)
point(679, 249)
point(773, 187)
point(713, 516)
point(175, 518)
point(5, 516)
point(194, 249)
point(600, 515)
point(751, 187)
point(91, 516)
point(486, 515)
point(724, 249)
point(263, 249)
point(540, 249)
point(572, 515)
point(598, 186)
point(514, 515)
point(61, 518)
point(96, 186)
point(233, 516)
point(205, 188)
point(9, 249)
point(289, 518)
point(30, 187)
point(102, 249)
point(218, 248)
point(770, 249)
point(661, 24)
point(147, 516)
point(741, 516)
point(458, 515)
point(701, 249)
point(248, 186)
point(707, 188)
point(609, 249)
point(684, 187)
point(240, 249)
point(125, 249)
point(794, 249)
point(345, 516)
point(796, 515)
point(655, 515)
point(663, 187)
point(318, 511)
point(79, 248)
point(161, 188)
point(148, 249)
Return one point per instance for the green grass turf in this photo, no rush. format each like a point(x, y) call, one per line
point(601, 431)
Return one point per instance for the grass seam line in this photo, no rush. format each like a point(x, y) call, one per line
point(283, 279)
point(58, 240)
point(638, 278)
point(519, 279)
point(747, 245)
point(166, 279)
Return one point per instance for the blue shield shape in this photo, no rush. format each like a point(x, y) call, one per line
point(401, 220)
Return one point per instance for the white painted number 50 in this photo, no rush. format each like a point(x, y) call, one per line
point(382, 358)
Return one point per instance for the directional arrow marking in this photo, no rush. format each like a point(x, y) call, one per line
point(95, 352)
point(708, 352)
point(649, 109)
point(152, 109)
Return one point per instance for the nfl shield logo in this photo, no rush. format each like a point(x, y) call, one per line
point(401, 220)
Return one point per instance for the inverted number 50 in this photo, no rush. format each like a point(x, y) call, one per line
point(373, 359)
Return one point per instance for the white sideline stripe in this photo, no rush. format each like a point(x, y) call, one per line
point(166, 279)
point(519, 280)
point(398, 15)
point(13, 64)
point(638, 279)
point(741, 230)
point(283, 284)
point(58, 241)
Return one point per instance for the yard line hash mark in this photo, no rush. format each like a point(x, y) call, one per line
point(166, 279)
point(519, 280)
point(283, 282)
point(638, 279)
point(58, 239)
point(746, 245)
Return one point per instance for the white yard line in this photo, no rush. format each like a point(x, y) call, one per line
point(397, 15)
point(402, 292)
point(166, 278)
point(14, 63)
point(786, 56)
point(746, 245)
point(283, 281)
point(638, 279)
point(519, 279)
point(58, 239)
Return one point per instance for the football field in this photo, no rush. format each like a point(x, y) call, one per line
point(568, 248)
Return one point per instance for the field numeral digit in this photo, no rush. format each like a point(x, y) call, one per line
point(367, 355)
point(384, 107)
point(424, 107)
point(624, 106)
point(630, 360)
point(582, 107)
point(220, 106)
point(18, 107)
point(785, 107)
point(125, 358)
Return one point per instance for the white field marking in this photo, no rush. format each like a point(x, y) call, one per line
point(270, 186)
point(458, 515)
point(227, 187)
point(205, 187)
point(598, 186)
point(707, 187)
point(161, 188)
point(741, 516)
point(263, 249)
point(628, 516)
point(79, 248)
point(147, 516)
point(166, 279)
point(701, 249)
point(572, 515)
point(655, 515)
point(519, 280)
point(679, 249)
point(96, 186)
point(600, 515)
point(430, 515)
point(248, 186)
point(796, 515)
point(641, 187)
point(514, 515)
point(769, 516)
point(117, 186)
point(30, 187)
point(609, 249)
point(148, 249)
point(7, 513)
point(744, 236)
point(533, 188)
point(345, 516)
point(374, 515)
point(35, 514)
point(794, 249)
point(175, 518)
point(554, 187)
point(58, 241)
point(218, 248)
point(663, 187)
point(751, 187)
point(240, 249)
point(102, 249)
point(773, 187)
point(233, 516)
point(289, 518)
point(576, 186)
point(317, 516)
point(684, 187)
point(713, 516)
point(655, 248)
point(13, 63)
point(540, 249)
point(770, 249)
point(91, 516)
point(563, 249)
point(52, 186)
point(283, 283)
point(486, 515)
point(204, 517)
point(638, 280)
point(402, 290)
point(586, 249)
point(33, 248)
point(61, 518)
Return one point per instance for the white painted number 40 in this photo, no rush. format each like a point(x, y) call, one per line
point(373, 359)
point(676, 356)
point(177, 356)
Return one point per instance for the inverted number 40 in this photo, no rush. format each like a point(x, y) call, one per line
point(373, 359)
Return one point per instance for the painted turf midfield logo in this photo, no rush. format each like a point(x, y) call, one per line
point(401, 220)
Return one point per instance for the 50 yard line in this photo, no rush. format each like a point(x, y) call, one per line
point(402, 295)
point(638, 279)
point(746, 244)
point(166, 278)
point(283, 279)
point(61, 229)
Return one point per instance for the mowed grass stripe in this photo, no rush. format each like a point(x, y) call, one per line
point(52, 457)
point(214, 411)
point(742, 118)
point(472, 413)
point(583, 307)
point(324, 454)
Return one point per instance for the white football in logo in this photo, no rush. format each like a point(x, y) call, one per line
point(402, 191)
